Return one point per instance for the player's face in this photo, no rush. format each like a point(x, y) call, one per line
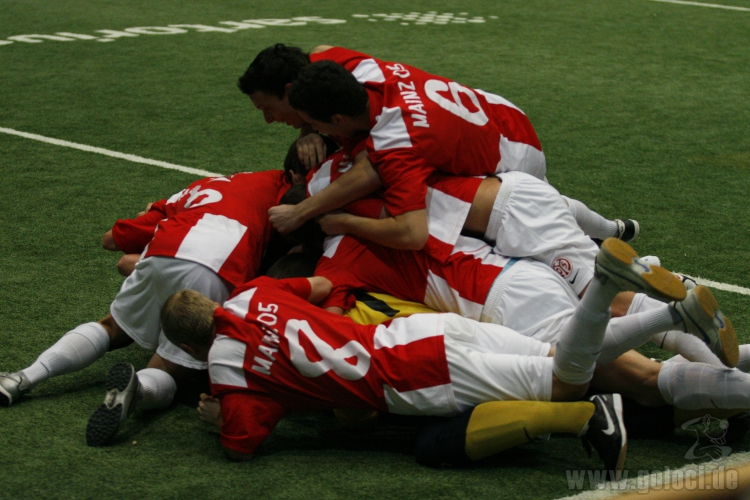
point(276, 110)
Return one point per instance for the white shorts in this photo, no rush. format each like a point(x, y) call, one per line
point(530, 219)
point(493, 363)
point(137, 306)
point(531, 299)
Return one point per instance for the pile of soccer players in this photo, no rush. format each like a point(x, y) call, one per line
point(432, 271)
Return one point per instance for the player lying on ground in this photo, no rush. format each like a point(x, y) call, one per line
point(534, 221)
point(494, 427)
point(209, 237)
point(407, 152)
point(271, 351)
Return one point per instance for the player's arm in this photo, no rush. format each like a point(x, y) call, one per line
point(320, 287)
point(407, 231)
point(248, 419)
point(359, 181)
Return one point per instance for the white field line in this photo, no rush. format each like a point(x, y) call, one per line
point(700, 4)
point(658, 479)
point(107, 152)
point(204, 173)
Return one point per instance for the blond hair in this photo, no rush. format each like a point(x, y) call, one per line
point(187, 317)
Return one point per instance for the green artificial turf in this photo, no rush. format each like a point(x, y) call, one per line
point(642, 108)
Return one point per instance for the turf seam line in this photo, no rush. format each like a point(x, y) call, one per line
point(108, 152)
point(205, 173)
point(699, 4)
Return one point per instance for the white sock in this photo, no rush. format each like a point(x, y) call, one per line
point(156, 389)
point(581, 338)
point(693, 386)
point(634, 330)
point(593, 224)
point(75, 350)
point(744, 363)
point(689, 346)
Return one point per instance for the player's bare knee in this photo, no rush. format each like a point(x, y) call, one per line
point(563, 391)
point(621, 304)
point(118, 338)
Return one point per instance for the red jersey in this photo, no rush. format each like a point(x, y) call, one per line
point(275, 352)
point(218, 222)
point(448, 201)
point(460, 285)
point(422, 122)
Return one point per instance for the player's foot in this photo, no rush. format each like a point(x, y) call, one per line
point(12, 387)
point(701, 315)
point(605, 432)
point(122, 385)
point(618, 262)
point(627, 229)
point(653, 260)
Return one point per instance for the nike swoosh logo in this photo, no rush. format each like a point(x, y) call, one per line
point(573, 281)
point(610, 424)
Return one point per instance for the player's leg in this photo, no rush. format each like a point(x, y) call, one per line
point(600, 228)
point(529, 218)
point(75, 350)
point(152, 388)
point(479, 373)
point(617, 269)
point(139, 310)
point(492, 427)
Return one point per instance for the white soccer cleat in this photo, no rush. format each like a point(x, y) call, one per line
point(122, 385)
point(618, 262)
point(12, 387)
point(701, 315)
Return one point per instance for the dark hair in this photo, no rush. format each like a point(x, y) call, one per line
point(294, 265)
point(324, 88)
point(309, 234)
point(273, 69)
point(293, 164)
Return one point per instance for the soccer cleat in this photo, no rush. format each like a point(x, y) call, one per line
point(12, 387)
point(618, 262)
point(689, 282)
point(605, 432)
point(122, 385)
point(702, 318)
point(627, 229)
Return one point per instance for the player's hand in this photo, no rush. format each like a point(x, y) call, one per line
point(333, 223)
point(209, 410)
point(148, 207)
point(311, 150)
point(285, 218)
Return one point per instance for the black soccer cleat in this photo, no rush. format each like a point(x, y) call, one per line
point(605, 432)
point(627, 229)
point(122, 385)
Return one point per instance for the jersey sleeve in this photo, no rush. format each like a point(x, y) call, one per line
point(342, 292)
point(248, 420)
point(298, 286)
point(132, 235)
point(405, 178)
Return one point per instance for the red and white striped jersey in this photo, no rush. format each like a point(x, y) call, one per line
point(422, 122)
point(275, 352)
point(448, 201)
point(219, 222)
point(460, 285)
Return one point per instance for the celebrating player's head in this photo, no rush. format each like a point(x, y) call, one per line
point(267, 81)
point(187, 318)
point(324, 93)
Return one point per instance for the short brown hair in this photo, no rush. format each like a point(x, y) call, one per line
point(187, 317)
